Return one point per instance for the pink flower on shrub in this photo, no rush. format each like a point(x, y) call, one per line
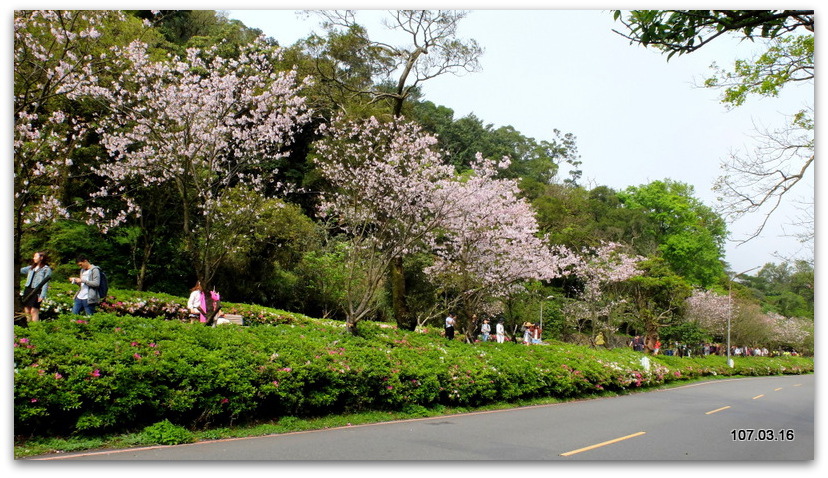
point(80, 321)
point(137, 356)
point(275, 383)
point(58, 376)
point(225, 400)
point(24, 340)
point(390, 387)
point(152, 344)
point(95, 373)
point(34, 400)
point(134, 344)
point(286, 369)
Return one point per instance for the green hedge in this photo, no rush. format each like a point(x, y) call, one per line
point(115, 373)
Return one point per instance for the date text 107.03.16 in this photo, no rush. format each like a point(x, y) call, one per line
point(762, 434)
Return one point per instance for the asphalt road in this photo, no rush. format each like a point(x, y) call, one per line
point(763, 418)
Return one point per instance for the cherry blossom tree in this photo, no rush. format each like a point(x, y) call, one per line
point(203, 126)
point(710, 310)
point(55, 54)
point(488, 245)
point(384, 178)
point(598, 269)
point(790, 331)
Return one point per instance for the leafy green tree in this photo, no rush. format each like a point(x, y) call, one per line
point(685, 31)
point(657, 297)
point(578, 218)
point(262, 266)
point(689, 234)
point(787, 289)
point(534, 163)
point(432, 49)
point(687, 333)
point(201, 29)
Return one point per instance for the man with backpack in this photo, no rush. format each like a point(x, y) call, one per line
point(93, 287)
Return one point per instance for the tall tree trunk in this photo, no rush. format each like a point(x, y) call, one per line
point(650, 335)
point(19, 317)
point(402, 314)
point(351, 327)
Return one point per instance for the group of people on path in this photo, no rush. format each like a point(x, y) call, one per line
point(92, 289)
point(38, 274)
point(703, 349)
point(638, 344)
point(485, 328)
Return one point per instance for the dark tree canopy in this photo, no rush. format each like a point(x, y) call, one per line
point(685, 31)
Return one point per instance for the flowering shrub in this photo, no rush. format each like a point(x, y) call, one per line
point(149, 307)
point(109, 373)
point(157, 305)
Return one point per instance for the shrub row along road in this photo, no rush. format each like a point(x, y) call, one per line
point(768, 418)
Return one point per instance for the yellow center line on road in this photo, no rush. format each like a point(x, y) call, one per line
point(798, 385)
point(598, 445)
point(777, 389)
point(759, 396)
point(717, 410)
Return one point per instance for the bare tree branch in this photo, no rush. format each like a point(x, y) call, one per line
point(757, 182)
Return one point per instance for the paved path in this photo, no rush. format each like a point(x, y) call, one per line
point(694, 422)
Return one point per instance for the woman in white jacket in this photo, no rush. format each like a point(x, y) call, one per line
point(195, 303)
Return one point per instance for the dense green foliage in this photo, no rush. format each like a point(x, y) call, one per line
point(685, 31)
point(690, 236)
point(108, 373)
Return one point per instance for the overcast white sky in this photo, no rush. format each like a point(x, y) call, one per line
point(637, 118)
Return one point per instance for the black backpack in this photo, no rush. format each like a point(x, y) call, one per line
point(103, 286)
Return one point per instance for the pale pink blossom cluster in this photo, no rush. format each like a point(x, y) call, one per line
point(598, 268)
point(710, 310)
point(603, 265)
point(385, 177)
point(51, 58)
point(200, 124)
point(489, 240)
point(394, 193)
point(789, 330)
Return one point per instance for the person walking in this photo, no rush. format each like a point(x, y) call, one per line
point(486, 330)
point(450, 322)
point(89, 279)
point(38, 274)
point(500, 331)
point(527, 333)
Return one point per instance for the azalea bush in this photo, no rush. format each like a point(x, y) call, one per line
point(113, 373)
point(156, 305)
